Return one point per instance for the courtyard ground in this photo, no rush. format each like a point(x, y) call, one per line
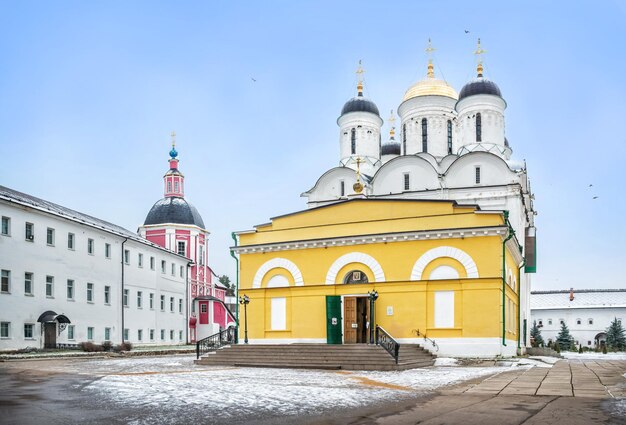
point(172, 390)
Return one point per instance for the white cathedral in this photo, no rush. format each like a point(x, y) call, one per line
point(452, 146)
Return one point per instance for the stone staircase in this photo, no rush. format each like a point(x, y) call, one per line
point(318, 356)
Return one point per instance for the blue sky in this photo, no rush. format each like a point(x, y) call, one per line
point(90, 91)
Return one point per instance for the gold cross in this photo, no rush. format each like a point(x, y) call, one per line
point(479, 52)
point(429, 50)
point(360, 71)
point(173, 138)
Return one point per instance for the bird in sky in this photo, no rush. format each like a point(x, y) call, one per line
point(595, 197)
point(253, 79)
point(466, 31)
point(590, 185)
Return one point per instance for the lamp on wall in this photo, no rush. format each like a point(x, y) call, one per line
point(245, 300)
point(373, 296)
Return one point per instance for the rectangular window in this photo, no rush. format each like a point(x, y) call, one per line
point(107, 250)
point(180, 335)
point(140, 260)
point(6, 226)
point(180, 305)
point(126, 334)
point(139, 300)
point(449, 137)
point(162, 302)
point(444, 309)
point(151, 301)
point(182, 271)
point(90, 247)
point(163, 266)
point(549, 321)
point(70, 241)
point(28, 330)
point(162, 334)
point(70, 332)
point(5, 329)
point(181, 248)
point(407, 181)
point(176, 186)
point(151, 334)
point(5, 281)
point(90, 292)
point(590, 321)
point(171, 334)
point(50, 286)
point(70, 289)
point(107, 295)
point(201, 255)
point(169, 186)
point(172, 304)
point(90, 333)
point(139, 334)
point(173, 269)
point(30, 232)
point(28, 283)
point(125, 298)
point(107, 334)
point(126, 256)
point(151, 263)
point(279, 314)
point(50, 236)
point(342, 188)
point(477, 175)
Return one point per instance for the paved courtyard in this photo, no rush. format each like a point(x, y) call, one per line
point(169, 390)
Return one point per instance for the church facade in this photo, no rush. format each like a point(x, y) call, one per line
point(452, 150)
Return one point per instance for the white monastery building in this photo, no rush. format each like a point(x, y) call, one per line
point(452, 146)
point(586, 312)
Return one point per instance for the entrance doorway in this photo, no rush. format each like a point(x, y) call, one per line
point(50, 335)
point(356, 314)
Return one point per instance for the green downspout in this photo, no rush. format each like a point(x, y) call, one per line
point(232, 253)
point(511, 233)
point(519, 309)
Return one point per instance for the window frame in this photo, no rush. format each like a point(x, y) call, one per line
point(5, 325)
point(31, 328)
point(424, 135)
point(125, 296)
point(107, 250)
point(90, 292)
point(69, 289)
point(5, 279)
point(91, 248)
point(49, 236)
point(29, 232)
point(353, 141)
point(152, 263)
point(477, 174)
point(479, 127)
point(127, 257)
point(90, 333)
point(139, 299)
point(71, 332)
point(449, 137)
point(6, 224)
point(140, 260)
point(406, 181)
point(107, 334)
point(29, 278)
point(184, 246)
point(49, 284)
point(71, 241)
point(107, 295)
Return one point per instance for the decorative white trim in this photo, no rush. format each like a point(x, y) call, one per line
point(355, 257)
point(466, 347)
point(377, 238)
point(445, 251)
point(276, 263)
point(273, 341)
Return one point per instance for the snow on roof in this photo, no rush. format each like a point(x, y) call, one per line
point(583, 298)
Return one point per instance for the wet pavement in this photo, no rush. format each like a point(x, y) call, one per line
point(171, 390)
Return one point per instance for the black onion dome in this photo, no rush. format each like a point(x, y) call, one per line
point(390, 148)
point(479, 86)
point(174, 210)
point(360, 104)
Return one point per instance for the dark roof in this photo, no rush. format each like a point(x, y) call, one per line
point(479, 86)
point(360, 104)
point(174, 210)
point(390, 148)
point(25, 199)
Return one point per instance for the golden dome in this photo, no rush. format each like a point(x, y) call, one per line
point(430, 86)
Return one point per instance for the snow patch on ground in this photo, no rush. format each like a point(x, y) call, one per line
point(593, 356)
point(446, 361)
point(540, 361)
point(168, 386)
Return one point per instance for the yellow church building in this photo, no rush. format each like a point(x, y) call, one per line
point(431, 272)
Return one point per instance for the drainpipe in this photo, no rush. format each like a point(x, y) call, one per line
point(519, 305)
point(232, 253)
point(122, 297)
point(511, 233)
point(189, 263)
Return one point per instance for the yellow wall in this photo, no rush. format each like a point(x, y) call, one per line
point(477, 302)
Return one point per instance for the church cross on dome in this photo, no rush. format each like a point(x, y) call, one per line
point(392, 130)
point(429, 51)
point(174, 180)
point(359, 73)
point(479, 52)
point(358, 186)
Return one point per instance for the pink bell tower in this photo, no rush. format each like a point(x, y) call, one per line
point(176, 225)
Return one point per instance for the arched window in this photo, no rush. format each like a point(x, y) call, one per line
point(449, 137)
point(355, 276)
point(353, 141)
point(403, 139)
point(424, 135)
point(479, 128)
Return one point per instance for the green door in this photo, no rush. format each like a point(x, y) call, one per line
point(333, 319)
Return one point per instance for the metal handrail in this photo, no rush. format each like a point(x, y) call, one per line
point(213, 342)
point(385, 340)
point(432, 341)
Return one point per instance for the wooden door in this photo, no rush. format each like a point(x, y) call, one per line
point(50, 335)
point(350, 324)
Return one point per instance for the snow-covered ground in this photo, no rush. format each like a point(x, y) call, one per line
point(593, 356)
point(171, 385)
